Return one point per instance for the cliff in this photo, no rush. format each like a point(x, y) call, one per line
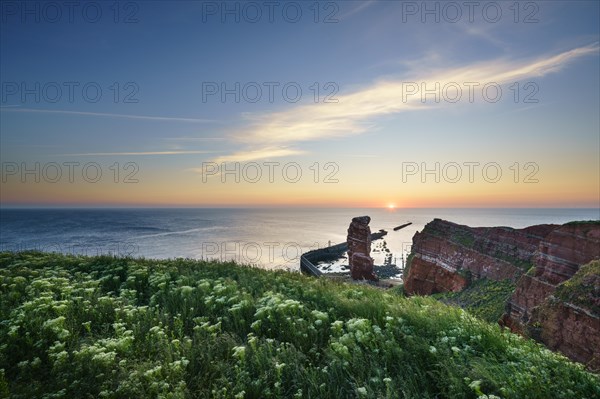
point(569, 319)
point(555, 301)
point(445, 256)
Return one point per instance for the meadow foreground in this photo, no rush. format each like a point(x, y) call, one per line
point(121, 327)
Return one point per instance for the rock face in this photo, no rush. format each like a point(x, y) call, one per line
point(359, 249)
point(536, 310)
point(558, 258)
point(445, 256)
point(565, 249)
point(568, 320)
point(542, 260)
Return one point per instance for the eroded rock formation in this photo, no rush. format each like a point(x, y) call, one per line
point(566, 326)
point(544, 261)
point(566, 322)
point(445, 256)
point(359, 249)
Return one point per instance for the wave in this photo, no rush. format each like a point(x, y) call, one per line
point(181, 232)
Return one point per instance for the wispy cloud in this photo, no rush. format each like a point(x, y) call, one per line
point(484, 33)
point(256, 154)
point(110, 115)
point(360, 156)
point(195, 138)
point(251, 155)
point(361, 6)
point(355, 112)
point(135, 153)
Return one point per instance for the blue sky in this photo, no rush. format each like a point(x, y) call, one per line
point(368, 54)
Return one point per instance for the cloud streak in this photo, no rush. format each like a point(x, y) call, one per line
point(355, 112)
point(250, 156)
point(142, 153)
point(359, 8)
point(257, 154)
point(196, 138)
point(110, 115)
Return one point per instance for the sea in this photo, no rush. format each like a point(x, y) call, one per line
point(268, 238)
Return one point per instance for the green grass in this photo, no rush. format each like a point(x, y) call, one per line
point(583, 223)
point(524, 265)
point(464, 238)
point(103, 327)
point(484, 298)
point(582, 289)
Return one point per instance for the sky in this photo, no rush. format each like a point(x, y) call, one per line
point(283, 103)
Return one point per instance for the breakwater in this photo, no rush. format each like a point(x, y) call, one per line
point(310, 259)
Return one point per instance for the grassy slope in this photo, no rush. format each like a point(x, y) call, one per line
point(484, 298)
point(105, 327)
point(582, 289)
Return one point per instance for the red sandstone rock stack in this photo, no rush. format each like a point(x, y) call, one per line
point(359, 249)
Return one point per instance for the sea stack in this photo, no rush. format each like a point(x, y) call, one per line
point(359, 249)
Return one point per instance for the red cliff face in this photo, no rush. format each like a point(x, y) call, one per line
point(445, 256)
point(529, 293)
point(534, 310)
point(427, 277)
point(569, 329)
point(543, 260)
point(558, 258)
point(565, 249)
point(569, 319)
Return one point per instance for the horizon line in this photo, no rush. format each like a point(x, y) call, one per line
point(267, 206)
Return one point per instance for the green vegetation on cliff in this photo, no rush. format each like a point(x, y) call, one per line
point(583, 223)
point(583, 289)
point(103, 327)
point(464, 238)
point(484, 298)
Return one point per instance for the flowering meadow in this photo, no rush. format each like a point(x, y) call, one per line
point(105, 327)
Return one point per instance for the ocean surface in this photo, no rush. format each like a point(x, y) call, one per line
point(269, 238)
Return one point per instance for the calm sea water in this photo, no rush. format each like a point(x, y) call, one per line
point(272, 238)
